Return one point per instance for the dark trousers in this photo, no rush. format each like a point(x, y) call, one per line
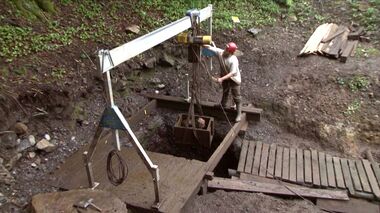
point(235, 90)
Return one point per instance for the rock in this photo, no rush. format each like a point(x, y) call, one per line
point(133, 29)
point(9, 140)
point(24, 144)
point(293, 18)
point(3, 199)
point(31, 155)
point(167, 60)
point(32, 140)
point(12, 162)
point(161, 86)
point(20, 128)
point(150, 63)
point(254, 31)
point(155, 81)
point(34, 165)
point(47, 137)
point(6, 177)
point(63, 201)
point(45, 145)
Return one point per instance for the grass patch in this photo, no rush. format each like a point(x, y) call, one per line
point(352, 108)
point(366, 51)
point(367, 13)
point(355, 83)
point(305, 12)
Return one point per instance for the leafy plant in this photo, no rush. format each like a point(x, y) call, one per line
point(58, 73)
point(358, 83)
point(352, 108)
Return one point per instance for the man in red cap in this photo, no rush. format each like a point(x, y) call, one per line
point(229, 75)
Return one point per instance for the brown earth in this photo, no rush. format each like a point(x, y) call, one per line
point(302, 101)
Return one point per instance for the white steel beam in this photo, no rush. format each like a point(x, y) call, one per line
point(131, 49)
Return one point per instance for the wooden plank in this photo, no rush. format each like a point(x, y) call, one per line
point(323, 169)
point(257, 158)
point(243, 156)
point(330, 171)
point(311, 45)
point(300, 167)
point(371, 178)
point(250, 156)
point(285, 164)
point(322, 46)
point(332, 36)
point(347, 51)
point(356, 35)
point(271, 161)
point(292, 165)
point(279, 189)
point(209, 108)
point(354, 48)
point(278, 167)
point(376, 170)
point(315, 168)
point(334, 47)
point(264, 160)
point(350, 206)
point(355, 176)
point(225, 144)
point(338, 173)
point(308, 168)
point(363, 176)
point(347, 176)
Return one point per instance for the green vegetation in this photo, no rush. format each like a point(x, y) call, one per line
point(58, 73)
point(367, 13)
point(305, 12)
point(355, 83)
point(366, 52)
point(352, 108)
point(250, 13)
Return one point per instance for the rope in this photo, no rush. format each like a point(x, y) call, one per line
point(241, 140)
point(116, 179)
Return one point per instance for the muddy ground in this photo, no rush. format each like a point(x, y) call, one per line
point(302, 98)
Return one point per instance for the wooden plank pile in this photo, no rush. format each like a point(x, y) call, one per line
point(334, 41)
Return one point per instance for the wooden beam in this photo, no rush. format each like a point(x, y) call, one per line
point(225, 144)
point(209, 108)
point(278, 189)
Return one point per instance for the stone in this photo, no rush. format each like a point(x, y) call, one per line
point(63, 201)
point(167, 60)
point(12, 162)
point(24, 144)
point(31, 155)
point(155, 81)
point(161, 86)
point(3, 199)
point(133, 29)
point(8, 140)
point(6, 177)
point(293, 18)
point(20, 128)
point(34, 165)
point(47, 137)
point(32, 140)
point(150, 63)
point(254, 31)
point(45, 145)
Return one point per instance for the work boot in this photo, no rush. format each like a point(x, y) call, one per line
point(238, 109)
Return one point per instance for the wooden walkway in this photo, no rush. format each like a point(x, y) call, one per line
point(180, 178)
point(310, 168)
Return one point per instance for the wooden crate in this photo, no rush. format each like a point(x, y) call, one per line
point(194, 135)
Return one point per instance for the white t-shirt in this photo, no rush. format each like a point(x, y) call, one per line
point(232, 64)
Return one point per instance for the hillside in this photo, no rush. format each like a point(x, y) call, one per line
point(50, 83)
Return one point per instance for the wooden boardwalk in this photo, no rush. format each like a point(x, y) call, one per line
point(310, 168)
point(180, 178)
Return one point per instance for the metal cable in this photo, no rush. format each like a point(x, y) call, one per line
point(116, 179)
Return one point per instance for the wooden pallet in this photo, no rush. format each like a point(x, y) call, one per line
point(310, 168)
